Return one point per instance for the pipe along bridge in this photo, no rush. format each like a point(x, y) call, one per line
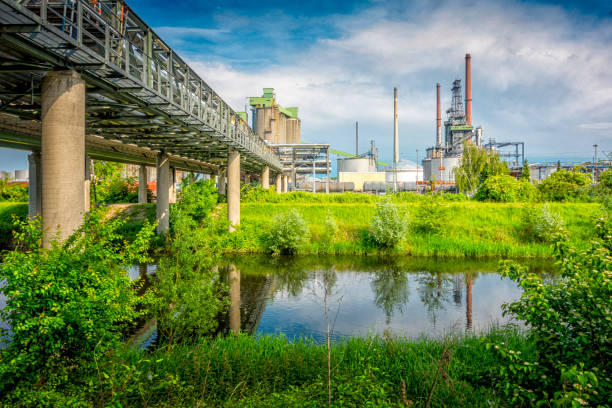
point(89, 79)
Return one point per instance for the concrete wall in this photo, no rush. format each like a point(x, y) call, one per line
point(358, 179)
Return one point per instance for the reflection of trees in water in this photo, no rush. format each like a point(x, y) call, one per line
point(435, 290)
point(391, 291)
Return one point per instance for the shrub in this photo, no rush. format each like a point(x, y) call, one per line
point(388, 226)
point(539, 224)
point(7, 212)
point(430, 217)
point(70, 303)
point(565, 185)
point(287, 234)
point(569, 320)
point(602, 191)
point(330, 229)
point(16, 192)
point(505, 189)
point(197, 200)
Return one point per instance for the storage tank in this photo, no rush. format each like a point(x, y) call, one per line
point(357, 165)
point(440, 168)
point(407, 171)
point(21, 175)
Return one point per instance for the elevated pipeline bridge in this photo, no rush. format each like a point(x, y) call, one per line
point(89, 77)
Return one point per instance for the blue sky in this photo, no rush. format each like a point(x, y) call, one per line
point(541, 70)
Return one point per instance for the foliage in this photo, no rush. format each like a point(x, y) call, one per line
point(430, 217)
point(477, 165)
point(388, 225)
point(8, 211)
point(13, 192)
point(564, 185)
point(110, 187)
point(569, 321)
point(539, 224)
point(288, 233)
point(526, 173)
point(189, 291)
point(602, 191)
point(505, 188)
point(70, 303)
point(330, 228)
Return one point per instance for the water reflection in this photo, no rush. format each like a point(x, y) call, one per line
point(367, 295)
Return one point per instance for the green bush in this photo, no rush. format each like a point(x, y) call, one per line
point(197, 200)
point(287, 234)
point(569, 320)
point(602, 191)
point(16, 193)
point(429, 217)
point(68, 304)
point(388, 226)
point(7, 211)
point(565, 185)
point(505, 189)
point(539, 224)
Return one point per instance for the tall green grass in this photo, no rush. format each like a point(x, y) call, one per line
point(473, 229)
point(275, 372)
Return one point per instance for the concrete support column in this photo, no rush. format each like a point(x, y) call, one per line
point(278, 183)
point(163, 193)
point(142, 184)
point(87, 185)
point(233, 190)
point(221, 182)
point(234, 309)
point(285, 183)
point(62, 153)
point(172, 185)
point(34, 185)
point(265, 177)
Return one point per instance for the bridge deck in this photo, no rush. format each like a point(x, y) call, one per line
point(139, 91)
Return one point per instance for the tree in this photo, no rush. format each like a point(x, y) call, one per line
point(526, 173)
point(477, 165)
point(565, 185)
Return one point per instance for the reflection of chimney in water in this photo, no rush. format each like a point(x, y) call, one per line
point(234, 309)
point(468, 302)
point(457, 291)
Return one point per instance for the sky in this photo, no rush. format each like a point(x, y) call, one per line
point(541, 70)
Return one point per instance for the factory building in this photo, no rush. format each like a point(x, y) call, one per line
point(445, 155)
point(272, 122)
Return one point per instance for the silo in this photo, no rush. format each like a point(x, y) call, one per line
point(356, 165)
point(407, 172)
point(21, 175)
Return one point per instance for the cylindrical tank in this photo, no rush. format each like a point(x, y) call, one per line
point(357, 165)
point(407, 171)
point(21, 175)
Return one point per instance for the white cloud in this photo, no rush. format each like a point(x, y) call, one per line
point(540, 74)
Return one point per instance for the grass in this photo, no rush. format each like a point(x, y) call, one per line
point(473, 229)
point(274, 372)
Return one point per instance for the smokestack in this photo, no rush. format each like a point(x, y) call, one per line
point(438, 118)
point(468, 89)
point(395, 137)
point(357, 138)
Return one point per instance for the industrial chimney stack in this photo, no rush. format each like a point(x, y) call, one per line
point(468, 89)
point(395, 135)
point(438, 118)
point(357, 139)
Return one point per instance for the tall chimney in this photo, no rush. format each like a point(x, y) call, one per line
point(395, 136)
point(468, 89)
point(438, 118)
point(357, 138)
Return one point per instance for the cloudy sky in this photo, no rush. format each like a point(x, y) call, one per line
point(541, 70)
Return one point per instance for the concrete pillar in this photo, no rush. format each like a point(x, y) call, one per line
point(142, 184)
point(221, 182)
point(234, 309)
point(278, 183)
point(265, 177)
point(285, 183)
point(62, 153)
point(87, 185)
point(163, 193)
point(172, 198)
point(34, 185)
point(233, 190)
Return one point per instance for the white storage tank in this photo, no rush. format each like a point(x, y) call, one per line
point(357, 165)
point(407, 171)
point(21, 175)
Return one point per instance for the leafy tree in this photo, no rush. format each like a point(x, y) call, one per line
point(565, 185)
point(109, 186)
point(477, 165)
point(526, 173)
point(504, 188)
point(68, 304)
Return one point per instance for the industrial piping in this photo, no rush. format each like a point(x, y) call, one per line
point(438, 118)
point(468, 89)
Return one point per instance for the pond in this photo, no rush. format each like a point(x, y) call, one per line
point(366, 295)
